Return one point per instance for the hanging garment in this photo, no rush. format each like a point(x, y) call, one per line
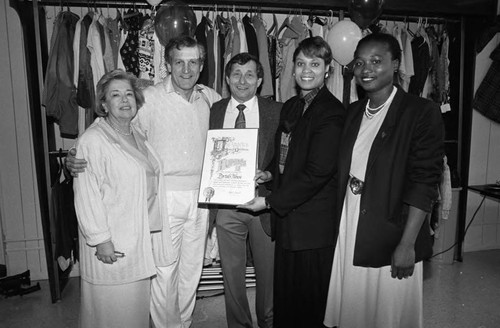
point(146, 50)
point(487, 98)
point(123, 36)
point(335, 82)
point(64, 219)
point(408, 55)
point(59, 93)
point(251, 36)
point(201, 36)
point(210, 57)
point(130, 48)
point(85, 87)
point(267, 83)
point(95, 44)
point(243, 36)
point(421, 65)
point(287, 81)
point(236, 45)
point(274, 57)
point(443, 74)
point(112, 31)
point(159, 61)
point(76, 64)
point(405, 73)
point(217, 61)
point(224, 27)
point(228, 53)
point(107, 52)
point(433, 92)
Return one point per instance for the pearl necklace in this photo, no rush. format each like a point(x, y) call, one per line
point(371, 112)
point(129, 133)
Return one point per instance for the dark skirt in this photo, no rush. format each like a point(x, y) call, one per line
point(301, 281)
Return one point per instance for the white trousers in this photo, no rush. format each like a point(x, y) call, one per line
point(173, 289)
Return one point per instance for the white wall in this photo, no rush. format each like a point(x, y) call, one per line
point(484, 232)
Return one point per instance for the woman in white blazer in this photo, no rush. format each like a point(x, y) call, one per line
point(117, 208)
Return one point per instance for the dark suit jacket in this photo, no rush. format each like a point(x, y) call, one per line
point(303, 197)
point(404, 168)
point(269, 112)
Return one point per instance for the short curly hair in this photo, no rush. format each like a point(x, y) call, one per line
point(103, 85)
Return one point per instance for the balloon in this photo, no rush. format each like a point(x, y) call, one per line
point(174, 19)
point(154, 3)
point(365, 12)
point(343, 39)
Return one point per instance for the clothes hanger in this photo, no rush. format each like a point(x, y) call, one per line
point(131, 12)
point(221, 21)
point(273, 26)
point(320, 21)
point(297, 24)
point(285, 24)
point(407, 27)
point(208, 20)
point(225, 20)
point(215, 15)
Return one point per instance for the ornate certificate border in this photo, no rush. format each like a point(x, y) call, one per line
point(229, 167)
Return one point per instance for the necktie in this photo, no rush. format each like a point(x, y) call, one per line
point(240, 120)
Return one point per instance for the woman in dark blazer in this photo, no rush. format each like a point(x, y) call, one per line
point(390, 163)
point(302, 201)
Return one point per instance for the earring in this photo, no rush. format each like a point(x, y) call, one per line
point(326, 75)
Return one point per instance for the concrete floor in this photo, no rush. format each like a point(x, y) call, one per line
point(462, 295)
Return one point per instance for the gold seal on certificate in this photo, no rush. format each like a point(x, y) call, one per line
point(229, 167)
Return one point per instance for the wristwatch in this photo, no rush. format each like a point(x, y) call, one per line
point(268, 206)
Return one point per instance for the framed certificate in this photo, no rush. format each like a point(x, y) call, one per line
point(229, 167)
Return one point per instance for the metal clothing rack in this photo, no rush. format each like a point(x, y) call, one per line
point(225, 6)
point(469, 16)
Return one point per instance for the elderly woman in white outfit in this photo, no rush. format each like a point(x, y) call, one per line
point(117, 209)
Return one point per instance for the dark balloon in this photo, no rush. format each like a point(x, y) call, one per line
point(365, 12)
point(173, 19)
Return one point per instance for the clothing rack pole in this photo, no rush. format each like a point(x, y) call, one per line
point(245, 8)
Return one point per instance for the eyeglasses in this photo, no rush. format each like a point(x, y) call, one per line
point(356, 185)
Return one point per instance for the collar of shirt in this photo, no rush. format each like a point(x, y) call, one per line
point(251, 113)
point(308, 98)
point(169, 88)
point(251, 105)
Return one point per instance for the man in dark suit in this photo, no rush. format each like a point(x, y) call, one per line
point(244, 109)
